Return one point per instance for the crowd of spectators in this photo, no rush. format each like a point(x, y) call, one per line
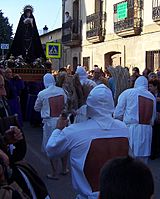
point(80, 110)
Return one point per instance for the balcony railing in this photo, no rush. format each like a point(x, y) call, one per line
point(96, 27)
point(131, 24)
point(123, 25)
point(71, 33)
point(156, 13)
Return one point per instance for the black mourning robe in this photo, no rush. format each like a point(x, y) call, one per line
point(27, 41)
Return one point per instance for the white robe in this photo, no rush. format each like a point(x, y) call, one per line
point(83, 77)
point(42, 105)
point(140, 135)
point(81, 114)
point(76, 138)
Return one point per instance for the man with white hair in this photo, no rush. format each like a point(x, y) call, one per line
point(43, 105)
point(137, 108)
point(76, 139)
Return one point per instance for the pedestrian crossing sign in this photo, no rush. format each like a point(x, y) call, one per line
point(53, 50)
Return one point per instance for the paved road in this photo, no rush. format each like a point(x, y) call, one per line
point(62, 188)
point(58, 189)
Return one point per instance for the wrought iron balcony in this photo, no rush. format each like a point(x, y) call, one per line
point(71, 33)
point(96, 27)
point(128, 27)
point(123, 25)
point(156, 12)
point(130, 22)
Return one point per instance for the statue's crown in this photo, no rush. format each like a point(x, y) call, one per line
point(28, 7)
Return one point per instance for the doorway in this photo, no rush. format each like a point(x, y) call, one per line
point(112, 58)
point(75, 63)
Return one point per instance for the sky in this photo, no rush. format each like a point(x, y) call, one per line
point(46, 12)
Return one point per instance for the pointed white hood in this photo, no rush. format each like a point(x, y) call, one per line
point(81, 72)
point(141, 82)
point(48, 80)
point(100, 106)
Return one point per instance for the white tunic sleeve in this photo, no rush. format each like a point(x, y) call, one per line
point(57, 145)
point(120, 108)
point(38, 104)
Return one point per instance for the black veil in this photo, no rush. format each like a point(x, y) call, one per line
point(27, 41)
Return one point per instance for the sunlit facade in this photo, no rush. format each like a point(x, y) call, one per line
point(112, 32)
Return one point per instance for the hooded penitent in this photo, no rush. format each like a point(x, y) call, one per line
point(48, 80)
point(141, 82)
point(100, 106)
point(82, 73)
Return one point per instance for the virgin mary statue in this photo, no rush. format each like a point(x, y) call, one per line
point(26, 41)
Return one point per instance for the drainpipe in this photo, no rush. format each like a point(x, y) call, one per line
point(63, 15)
point(80, 30)
point(124, 56)
point(63, 11)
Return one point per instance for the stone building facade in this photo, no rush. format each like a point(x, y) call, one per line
point(112, 32)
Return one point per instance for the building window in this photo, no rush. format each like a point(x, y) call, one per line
point(128, 16)
point(96, 29)
point(153, 60)
point(156, 10)
point(86, 62)
point(123, 15)
point(50, 37)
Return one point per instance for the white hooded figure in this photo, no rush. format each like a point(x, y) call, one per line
point(49, 123)
point(87, 86)
point(83, 76)
point(76, 138)
point(42, 105)
point(137, 108)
